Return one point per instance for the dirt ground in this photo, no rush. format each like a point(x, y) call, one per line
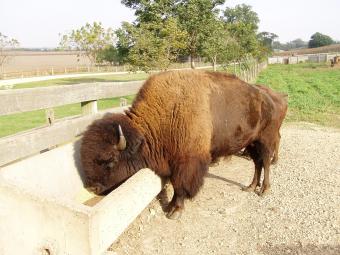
point(301, 215)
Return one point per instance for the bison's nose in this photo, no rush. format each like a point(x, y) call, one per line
point(96, 189)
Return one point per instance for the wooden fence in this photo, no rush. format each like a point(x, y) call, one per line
point(54, 133)
point(37, 72)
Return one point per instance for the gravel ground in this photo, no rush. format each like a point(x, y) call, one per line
point(301, 215)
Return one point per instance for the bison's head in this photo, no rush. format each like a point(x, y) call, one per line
point(108, 147)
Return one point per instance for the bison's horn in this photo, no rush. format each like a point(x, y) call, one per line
point(122, 141)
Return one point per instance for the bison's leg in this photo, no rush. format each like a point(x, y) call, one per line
point(254, 152)
point(176, 206)
point(266, 165)
point(256, 178)
point(276, 152)
point(187, 178)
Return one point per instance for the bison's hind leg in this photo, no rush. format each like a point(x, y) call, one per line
point(276, 151)
point(254, 151)
point(261, 154)
point(187, 178)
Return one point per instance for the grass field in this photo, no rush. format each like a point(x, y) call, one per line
point(313, 90)
point(15, 123)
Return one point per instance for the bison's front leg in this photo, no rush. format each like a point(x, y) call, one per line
point(187, 178)
point(176, 206)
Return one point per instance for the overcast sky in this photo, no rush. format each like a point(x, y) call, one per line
point(37, 23)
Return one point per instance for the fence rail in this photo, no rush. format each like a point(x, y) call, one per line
point(23, 100)
point(54, 133)
point(81, 69)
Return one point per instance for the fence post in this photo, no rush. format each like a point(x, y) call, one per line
point(89, 107)
point(49, 115)
point(52, 71)
point(239, 69)
point(123, 102)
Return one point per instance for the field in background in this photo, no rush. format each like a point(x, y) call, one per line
point(324, 49)
point(89, 79)
point(23, 64)
point(313, 89)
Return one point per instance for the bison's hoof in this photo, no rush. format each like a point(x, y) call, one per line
point(274, 161)
point(264, 192)
point(174, 214)
point(249, 188)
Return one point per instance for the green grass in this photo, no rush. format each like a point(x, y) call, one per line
point(313, 90)
point(15, 123)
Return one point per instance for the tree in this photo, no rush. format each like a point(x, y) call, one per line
point(242, 23)
point(220, 46)
point(5, 44)
point(295, 44)
point(318, 40)
point(298, 43)
point(267, 39)
point(109, 55)
point(195, 17)
point(153, 45)
point(124, 42)
point(152, 11)
point(89, 39)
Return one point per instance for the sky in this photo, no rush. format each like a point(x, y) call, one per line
point(38, 23)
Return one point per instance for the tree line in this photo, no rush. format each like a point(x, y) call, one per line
point(169, 31)
point(316, 40)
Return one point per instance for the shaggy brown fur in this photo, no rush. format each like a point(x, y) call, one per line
point(179, 123)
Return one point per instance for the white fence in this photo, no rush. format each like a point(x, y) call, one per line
point(311, 58)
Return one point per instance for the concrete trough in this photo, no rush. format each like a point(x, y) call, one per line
point(44, 209)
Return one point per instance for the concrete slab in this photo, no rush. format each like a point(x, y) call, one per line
point(44, 208)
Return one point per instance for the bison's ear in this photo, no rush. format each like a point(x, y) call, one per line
point(134, 144)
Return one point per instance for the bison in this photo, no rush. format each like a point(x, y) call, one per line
point(179, 123)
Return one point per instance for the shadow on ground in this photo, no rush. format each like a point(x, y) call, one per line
point(230, 182)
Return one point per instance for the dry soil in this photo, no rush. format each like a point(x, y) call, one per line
point(301, 215)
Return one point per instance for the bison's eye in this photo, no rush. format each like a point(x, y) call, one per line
point(111, 164)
